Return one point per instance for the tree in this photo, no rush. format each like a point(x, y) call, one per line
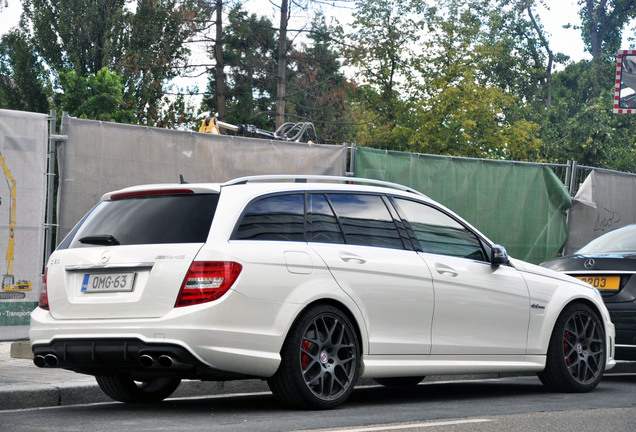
point(97, 96)
point(144, 45)
point(584, 129)
point(602, 27)
point(462, 90)
point(155, 51)
point(249, 45)
point(317, 89)
point(384, 33)
point(24, 83)
point(75, 34)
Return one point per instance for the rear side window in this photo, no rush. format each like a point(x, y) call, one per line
point(279, 217)
point(439, 233)
point(365, 220)
point(322, 226)
point(147, 220)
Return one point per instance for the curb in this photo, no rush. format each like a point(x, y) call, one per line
point(85, 394)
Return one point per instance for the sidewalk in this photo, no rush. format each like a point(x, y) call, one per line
point(24, 385)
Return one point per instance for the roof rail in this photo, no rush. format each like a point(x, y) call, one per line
point(302, 178)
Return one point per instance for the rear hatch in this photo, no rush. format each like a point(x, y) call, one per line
point(129, 256)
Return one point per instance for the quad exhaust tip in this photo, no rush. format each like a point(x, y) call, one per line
point(162, 361)
point(145, 360)
point(48, 360)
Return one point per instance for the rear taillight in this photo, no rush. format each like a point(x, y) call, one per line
point(43, 301)
point(207, 281)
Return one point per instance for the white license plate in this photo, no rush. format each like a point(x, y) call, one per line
point(108, 282)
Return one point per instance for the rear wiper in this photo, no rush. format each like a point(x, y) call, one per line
point(102, 239)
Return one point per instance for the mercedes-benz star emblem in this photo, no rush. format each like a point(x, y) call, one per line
point(589, 264)
point(105, 257)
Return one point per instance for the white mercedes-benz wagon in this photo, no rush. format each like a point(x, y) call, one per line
point(309, 282)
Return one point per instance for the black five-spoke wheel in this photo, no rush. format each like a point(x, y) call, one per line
point(319, 361)
point(576, 355)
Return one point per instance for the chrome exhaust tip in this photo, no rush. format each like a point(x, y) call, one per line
point(38, 360)
point(166, 361)
point(146, 361)
point(51, 360)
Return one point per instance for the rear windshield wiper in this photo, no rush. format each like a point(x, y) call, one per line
point(102, 239)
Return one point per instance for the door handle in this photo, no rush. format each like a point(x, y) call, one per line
point(354, 259)
point(445, 270)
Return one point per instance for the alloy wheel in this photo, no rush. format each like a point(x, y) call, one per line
point(328, 356)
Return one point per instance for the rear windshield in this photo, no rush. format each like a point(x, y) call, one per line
point(146, 220)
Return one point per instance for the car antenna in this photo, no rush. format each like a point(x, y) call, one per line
point(182, 180)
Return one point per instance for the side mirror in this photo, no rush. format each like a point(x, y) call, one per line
point(498, 255)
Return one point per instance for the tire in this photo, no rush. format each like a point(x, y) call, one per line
point(124, 388)
point(576, 354)
point(399, 381)
point(320, 360)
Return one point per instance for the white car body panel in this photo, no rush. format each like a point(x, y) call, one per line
point(491, 301)
point(399, 323)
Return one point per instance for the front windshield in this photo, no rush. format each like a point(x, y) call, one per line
point(617, 241)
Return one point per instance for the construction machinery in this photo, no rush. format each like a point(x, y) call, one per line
point(295, 132)
point(11, 289)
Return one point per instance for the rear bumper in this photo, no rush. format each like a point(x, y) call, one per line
point(234, 334)
point(131, 356)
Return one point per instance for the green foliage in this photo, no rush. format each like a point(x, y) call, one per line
point(143, 42)
point(154, 52)
point(457, 77)
point(469, 120)
point(603, 22)
point(97, 96)
point(383, 36)
point(75, 34)
point(585, 129)
point(461, 90)
point(24, 83)
point(317, 88)
point(250, 45)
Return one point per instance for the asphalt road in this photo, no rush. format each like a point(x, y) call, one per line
point(506, 404)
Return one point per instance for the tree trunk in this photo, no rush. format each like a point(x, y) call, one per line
point(546, 45)
point(282, 64)
point(218, 68)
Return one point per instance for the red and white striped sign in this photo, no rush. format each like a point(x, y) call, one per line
point(618, 108)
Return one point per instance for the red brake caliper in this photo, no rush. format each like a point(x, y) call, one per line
point(304, 358)
point(566, 336)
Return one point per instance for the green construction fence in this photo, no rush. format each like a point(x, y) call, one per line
point(516, 204)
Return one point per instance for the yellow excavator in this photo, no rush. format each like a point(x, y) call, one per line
point(11, 289)
point(296, 132)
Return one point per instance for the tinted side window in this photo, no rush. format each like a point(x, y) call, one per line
point(322, 226)
point(365, 220)
point(440, 234)
point(279, 217)
point(149, 220)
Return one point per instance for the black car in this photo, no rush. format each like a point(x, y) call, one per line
point(609, 264)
